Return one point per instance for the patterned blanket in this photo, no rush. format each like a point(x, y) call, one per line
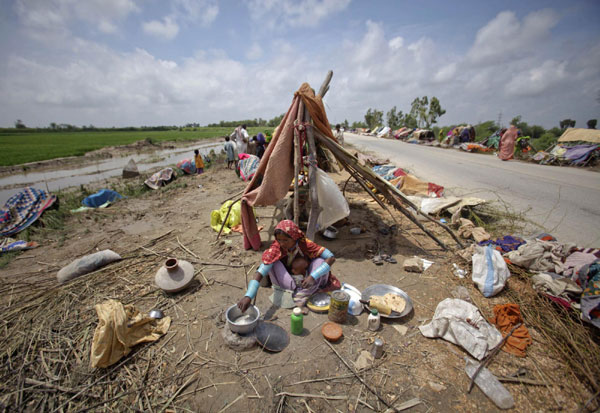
point(248, 167)
point(187, 165)
point(23, 209)
point(161, 178)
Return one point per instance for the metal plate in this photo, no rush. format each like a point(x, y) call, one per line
point(271, 337)
point(319, 302)
point(383, 289)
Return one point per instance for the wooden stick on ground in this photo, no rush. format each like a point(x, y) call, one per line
point(381, 399)
point(314, 396)
point(227, 216)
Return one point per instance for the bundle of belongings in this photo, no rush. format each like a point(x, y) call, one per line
point(407, 183)
point(402, 133)
point(247, 166)
point(187, 165)
point(564, 273)
point(23, 209)
point(577, 155)
point(160, 178)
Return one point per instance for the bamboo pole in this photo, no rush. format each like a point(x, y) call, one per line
point(315, 208)
point(297, 163)
point(388, 190)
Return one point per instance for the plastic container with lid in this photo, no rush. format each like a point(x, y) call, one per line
point(297, 321)
point(374, 320)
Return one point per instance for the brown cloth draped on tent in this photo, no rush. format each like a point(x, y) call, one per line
point(276, 169)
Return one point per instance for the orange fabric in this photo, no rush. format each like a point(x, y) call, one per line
point(506, 316)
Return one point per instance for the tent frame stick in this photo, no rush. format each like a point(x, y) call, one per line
point(388, 190)
point(315, 208)
point(227, 216)
point(297, 153)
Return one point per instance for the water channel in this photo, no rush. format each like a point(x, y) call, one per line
point(58, 179)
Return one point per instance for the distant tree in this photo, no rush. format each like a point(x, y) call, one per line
point(19, 124)
point(356, 125)
point(276, 120)
point(53, 125)
point(410, 121)
point(555, 131)
point(426, 112)
point(394, 118)
point(537, 131)
point(373, 118)
point(434, 112)
point(591, 124)
point(567, 123)
point(345, 124)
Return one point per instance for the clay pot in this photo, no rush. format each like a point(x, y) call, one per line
point(175, 275)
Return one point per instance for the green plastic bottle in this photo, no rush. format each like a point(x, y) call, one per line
point(297, 321)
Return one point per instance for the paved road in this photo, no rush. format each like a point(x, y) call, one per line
point(560, 200)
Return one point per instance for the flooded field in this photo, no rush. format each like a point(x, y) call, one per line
point(96, 170)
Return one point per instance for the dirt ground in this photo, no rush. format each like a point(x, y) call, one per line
point(205, 375)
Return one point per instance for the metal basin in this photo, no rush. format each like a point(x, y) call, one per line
point(242, 323)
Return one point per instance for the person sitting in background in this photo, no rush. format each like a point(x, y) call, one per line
point(339, 134)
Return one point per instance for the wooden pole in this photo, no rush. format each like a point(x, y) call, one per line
point(315, 208)
point(388, 190)
point(297, 154)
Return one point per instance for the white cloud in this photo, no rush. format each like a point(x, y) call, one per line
point(295, 13)
point(203, 12)
point(55, 15)
point(537, 80)
point(255, 52)
point(505, 37)
point(396, 43)
point(446, 73)
point(91, 83)
point(167, 29)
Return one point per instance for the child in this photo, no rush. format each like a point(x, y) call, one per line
point(199, 162)
point(230, 151)
point(299, 269)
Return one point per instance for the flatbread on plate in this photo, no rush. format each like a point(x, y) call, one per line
point(395, 302)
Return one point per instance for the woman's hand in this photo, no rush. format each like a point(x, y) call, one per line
point(244, 303)
point(308, 282)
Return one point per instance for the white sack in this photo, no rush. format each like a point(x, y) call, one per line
point(489, 271)
point(449, 322)
point(86, 264)
point(331, 200)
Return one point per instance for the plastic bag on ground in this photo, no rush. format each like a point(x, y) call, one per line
point(119, 329)
point(489, 271)
point(461, 323)
point(331, 200)
point(86, 264)
point(217, 217)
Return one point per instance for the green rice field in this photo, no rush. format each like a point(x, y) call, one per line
point(22, 147)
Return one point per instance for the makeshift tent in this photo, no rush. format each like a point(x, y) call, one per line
point(306, 121)
point(580, 134)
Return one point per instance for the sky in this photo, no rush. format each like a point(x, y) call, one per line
point(172, 62)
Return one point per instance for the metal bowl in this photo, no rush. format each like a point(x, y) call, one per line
point(242, 323)
point(330, 233)
point(156, 313)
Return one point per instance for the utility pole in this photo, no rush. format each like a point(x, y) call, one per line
point(500, 120)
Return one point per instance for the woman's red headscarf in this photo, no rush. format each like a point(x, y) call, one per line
point(308, 248)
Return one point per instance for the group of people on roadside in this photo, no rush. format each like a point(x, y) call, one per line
point(237, 143)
